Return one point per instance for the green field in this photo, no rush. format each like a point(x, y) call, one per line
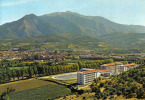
point(43, 93)
point(23, 85)
point(69, 81)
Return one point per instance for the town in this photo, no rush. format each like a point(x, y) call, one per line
point(68, 54)
point(74, 69)
point(72, 50)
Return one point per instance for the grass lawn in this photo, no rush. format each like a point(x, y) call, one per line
point(41, 93)
point(23, 85)
point(85, 84)
point(69, 81)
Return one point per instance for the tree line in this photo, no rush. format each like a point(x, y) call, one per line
point(42, 69)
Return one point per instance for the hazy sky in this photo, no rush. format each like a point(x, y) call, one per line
point(120, 11)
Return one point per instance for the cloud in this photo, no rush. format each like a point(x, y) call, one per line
point(16, 3)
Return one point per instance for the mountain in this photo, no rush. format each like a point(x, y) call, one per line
point(62, 22)
point(89, 25)
point(54, 41)
point(28, 26)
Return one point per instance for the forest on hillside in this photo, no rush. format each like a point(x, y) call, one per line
point(129, 84)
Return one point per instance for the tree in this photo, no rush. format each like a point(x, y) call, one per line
point(43, 70)
point(36, 57)
point(4, 96)
point(143, 85)
point(18, 74)
point(104, 95)
point(1, 78)
point(130, 95)
point(77, 67)
point(9, 75)
point(80, 65)
point(141, 93)
point(84, 98)
point(119, 93)
point(102, 84)
point(30, 72)
point(22, 73)
point(13, 74)
point(97, 92)
point(98, 95)
point(5, 77)
point(35, 70)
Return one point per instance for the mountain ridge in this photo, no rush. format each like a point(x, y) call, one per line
point(61, 22)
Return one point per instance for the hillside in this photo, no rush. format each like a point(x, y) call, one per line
point(129, 84)
point(62, 22)
point(54, 41)
point(128, 40)
point(28, 26)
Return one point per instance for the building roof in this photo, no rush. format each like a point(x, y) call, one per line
point(129, 64)
point(89, 71)
point(111, 64)
point(106, 70)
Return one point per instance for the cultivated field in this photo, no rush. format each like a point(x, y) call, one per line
point(23, 85)
point(41, 93)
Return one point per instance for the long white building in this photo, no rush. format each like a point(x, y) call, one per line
point(118, 67)
point(88, 75)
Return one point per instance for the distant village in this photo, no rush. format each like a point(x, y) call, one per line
point(61, 55)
